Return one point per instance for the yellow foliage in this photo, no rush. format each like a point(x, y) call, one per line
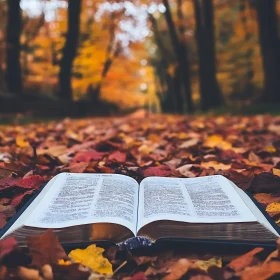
point(92, 257)
point(216, 165)
point(63, 262)
point(21, 142)
point(273, 208)
point(270, 149)
point(217, 141)
point(276, 172)
point(204, 265)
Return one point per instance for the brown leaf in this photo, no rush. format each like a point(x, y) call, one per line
point(265, 183)
point(78, 167)
point(144, 259)
point(7, 210)
point(177, 270)
point(70, 272)
point(264, 198)
point(245, 260)
point(45, 248)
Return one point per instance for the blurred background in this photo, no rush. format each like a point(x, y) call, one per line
point(95, 57)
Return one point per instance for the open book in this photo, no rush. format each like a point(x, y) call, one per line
point(96, 207)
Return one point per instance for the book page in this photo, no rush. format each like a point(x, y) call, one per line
point(23, 217)
point(209, 199)
point(77, 199)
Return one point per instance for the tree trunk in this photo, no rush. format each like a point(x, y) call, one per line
point(270, 47)
point(168, 100)
point(210, 92)
point(13, 72)
point(70, 49)
point(182, 59)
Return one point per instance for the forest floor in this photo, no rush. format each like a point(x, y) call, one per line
point(245, 149)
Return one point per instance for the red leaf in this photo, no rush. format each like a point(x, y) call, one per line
point(88, 156)
point(117, 156)
point(31, 182)
point(161, 170)
point(8, 182)
point(139, 276)
point(7, 245)
point(3, 220)
point(20, 197)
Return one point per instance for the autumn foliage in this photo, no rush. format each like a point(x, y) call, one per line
point(244, 149)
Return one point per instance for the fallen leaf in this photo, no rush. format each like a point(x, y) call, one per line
point(246, 260)
point(78, 167)
point(45, 248)
point(204, 265)
point(117, 156)
point(88, 156)
point(273, 209)
point(276, 171)
point(7, 245)
point(70, 272)
point(188, 143)
point(216, 165)
point(265, 183)
point(265, 198)
point(21, 141)
point(217, 141)
point(20, 198)
point(177, 270)
point(265, 271)
point(161, 170)
point(92, 257)
point(185, 170)
point(31, 182)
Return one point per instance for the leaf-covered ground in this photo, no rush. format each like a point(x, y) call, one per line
point(244, 149)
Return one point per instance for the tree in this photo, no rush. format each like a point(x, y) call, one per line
point(182, 59)
point(70, 49)
point(210, 92)
point(270, 47)
point(113, 50)
point(166, 81)
point(13, 31)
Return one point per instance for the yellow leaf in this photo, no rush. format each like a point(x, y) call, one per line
point(21, 142)
point(216, 165)
point(273, 208)
point(154, 138)
point(276, 171)
point(92, 257)
point(146, 149)
point(204, 265)
point(270, 149)
point(217, 141)
point(63, 262)
point(182, 135)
